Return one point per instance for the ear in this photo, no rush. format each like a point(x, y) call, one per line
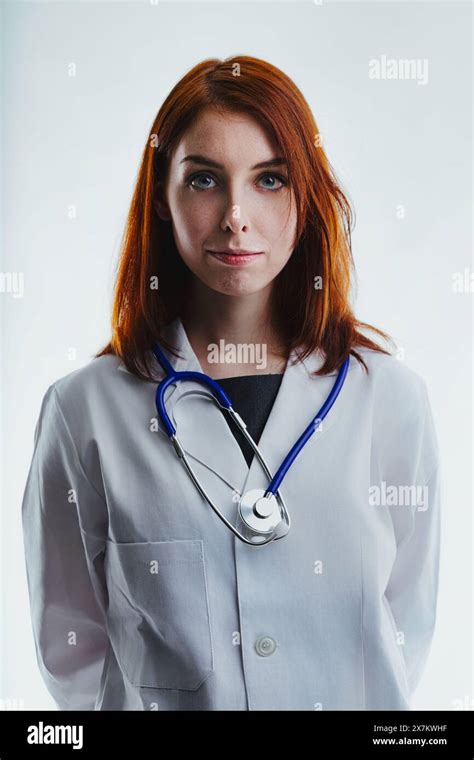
point(160, 204)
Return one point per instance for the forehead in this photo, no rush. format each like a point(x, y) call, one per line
point(228, 138)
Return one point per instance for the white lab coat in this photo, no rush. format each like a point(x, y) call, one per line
point(141, 599)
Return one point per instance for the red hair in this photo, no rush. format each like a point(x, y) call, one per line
point(308, 318)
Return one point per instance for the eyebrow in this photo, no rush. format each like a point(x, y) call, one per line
point(198, 159)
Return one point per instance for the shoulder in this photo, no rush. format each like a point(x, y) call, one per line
point(87, 406)
point(390, 380)
point(78, 391)
point(402, 420)
point(96, 371)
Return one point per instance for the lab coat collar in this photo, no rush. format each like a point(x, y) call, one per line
point(176, 335)
point(204, 432)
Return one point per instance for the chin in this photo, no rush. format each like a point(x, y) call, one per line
point(234, 284)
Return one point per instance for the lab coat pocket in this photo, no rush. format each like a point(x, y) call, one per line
point(159, 612)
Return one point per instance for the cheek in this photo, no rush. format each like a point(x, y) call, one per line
point(191, 224)
point(279, 228)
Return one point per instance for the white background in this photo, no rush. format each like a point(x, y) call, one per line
point(77, 142)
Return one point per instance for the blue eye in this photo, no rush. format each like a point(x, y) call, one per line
point(195, 177)
point(277, 177)
point(204, 177)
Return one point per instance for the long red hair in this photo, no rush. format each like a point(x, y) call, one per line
point(309, 318)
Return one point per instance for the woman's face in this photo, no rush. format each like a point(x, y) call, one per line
point(227, 188)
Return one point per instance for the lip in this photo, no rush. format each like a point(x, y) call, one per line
point(234, 251)
point(236, 256)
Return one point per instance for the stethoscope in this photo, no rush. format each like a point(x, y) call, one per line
point(262, 514)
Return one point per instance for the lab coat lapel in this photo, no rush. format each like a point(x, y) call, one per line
point(202, 428)
point(298, 401)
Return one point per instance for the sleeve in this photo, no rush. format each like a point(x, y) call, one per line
point(63, 565)
point(412, 589)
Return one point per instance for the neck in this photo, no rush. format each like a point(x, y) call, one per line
point(210, 317)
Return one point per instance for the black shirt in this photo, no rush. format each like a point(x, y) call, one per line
point(252, 397)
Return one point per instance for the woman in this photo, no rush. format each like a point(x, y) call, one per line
point(141, 598)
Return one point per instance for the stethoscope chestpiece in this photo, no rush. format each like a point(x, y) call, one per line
point(260, 516)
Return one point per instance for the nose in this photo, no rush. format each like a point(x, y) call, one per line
point(234, 216)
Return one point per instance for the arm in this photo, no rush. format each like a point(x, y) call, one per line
point(63, 564)
point(412, 588)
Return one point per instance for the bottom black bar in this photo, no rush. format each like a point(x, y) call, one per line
point(376, 734)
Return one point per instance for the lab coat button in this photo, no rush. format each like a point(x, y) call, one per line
point(265, 646)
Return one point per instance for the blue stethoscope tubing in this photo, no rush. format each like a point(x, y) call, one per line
point(173, 377)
